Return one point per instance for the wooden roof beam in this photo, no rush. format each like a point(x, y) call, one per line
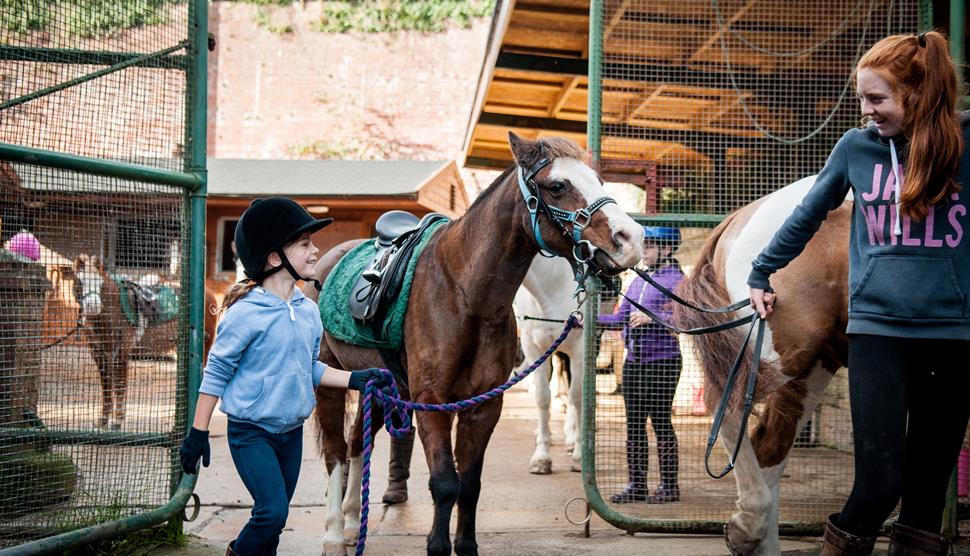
point(716, 36)
point(569, 85)
point(615, 18)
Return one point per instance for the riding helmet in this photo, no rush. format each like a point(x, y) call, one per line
point(663, 235)
point(26, 245)
point(266, 226)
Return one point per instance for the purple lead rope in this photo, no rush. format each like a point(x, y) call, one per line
point(393, 404)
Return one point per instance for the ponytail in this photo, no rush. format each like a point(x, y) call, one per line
point(237, 292)
point(921, 72)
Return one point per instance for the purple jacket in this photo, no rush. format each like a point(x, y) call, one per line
point(650, 342)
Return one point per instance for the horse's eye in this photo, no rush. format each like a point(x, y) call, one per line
point(557, 187)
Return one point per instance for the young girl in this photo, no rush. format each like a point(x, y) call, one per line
point(909, 275)
point(263, 364)
point(651, 371)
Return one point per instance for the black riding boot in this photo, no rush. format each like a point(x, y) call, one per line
point(669, 490)
point(636, 462)
point(399, 469)
point(909, 541)
point(836, 542)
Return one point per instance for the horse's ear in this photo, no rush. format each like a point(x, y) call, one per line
point(522, 148)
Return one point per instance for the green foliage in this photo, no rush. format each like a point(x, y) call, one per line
point(264, 19)
point(381, 16)
point(85, 18)
point(338, 150)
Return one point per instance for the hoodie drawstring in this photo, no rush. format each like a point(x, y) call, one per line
point(897, 230)
point(290, 307)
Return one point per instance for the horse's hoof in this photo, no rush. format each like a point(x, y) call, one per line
point(541, 467)
point(576, 467)
point(737, 540)
point(466, 547)
point(350, 537)
point(334, 549)
point(439, 547)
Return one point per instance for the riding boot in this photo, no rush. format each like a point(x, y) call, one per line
point(909, 541)
point(636, 462)
point(836, 542)
point(399, 469)
point(669, 490)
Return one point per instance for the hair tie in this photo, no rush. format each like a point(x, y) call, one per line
point(921, 39)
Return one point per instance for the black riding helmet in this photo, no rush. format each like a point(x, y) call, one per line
point(266, 226)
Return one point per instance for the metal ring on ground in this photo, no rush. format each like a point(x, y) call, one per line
point(195, 510)
point(589, 511)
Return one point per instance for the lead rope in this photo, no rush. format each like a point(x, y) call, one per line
point(393, 404)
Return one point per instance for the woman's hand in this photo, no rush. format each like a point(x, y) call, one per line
point(638, 318)
point(763, 301)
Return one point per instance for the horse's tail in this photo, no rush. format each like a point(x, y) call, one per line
point(716, 352)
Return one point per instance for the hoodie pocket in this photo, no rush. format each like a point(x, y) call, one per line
point(286, 399)
point(907, 287)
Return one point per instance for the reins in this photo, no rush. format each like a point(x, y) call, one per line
point(756, 322)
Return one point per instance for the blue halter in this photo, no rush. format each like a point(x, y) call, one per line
point(582, 250)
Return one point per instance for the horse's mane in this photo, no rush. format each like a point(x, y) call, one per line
point(550, 148)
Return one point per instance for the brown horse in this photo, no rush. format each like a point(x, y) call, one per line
point(805, 343)
point(460, 332)
point(109, 335)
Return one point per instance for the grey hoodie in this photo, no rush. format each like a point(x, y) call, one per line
point(912, 284)
point(263, 362)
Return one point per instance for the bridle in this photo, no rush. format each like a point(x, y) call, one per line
point(570, 223)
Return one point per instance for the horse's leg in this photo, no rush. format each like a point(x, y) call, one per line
point(102, 362)
point(749, 525)
point(574, 412)
point(121, 387)
point(435, 432)
point(352, 501)
point(541, 462)
point(329, 415)
point(474, 431)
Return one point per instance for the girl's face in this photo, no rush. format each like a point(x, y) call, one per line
point(879, 103)
point(302, 254)
point(651, 254)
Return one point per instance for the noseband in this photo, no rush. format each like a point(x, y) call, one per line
point(582, 250)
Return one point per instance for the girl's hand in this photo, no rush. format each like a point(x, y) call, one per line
point(359, 379)
point(195, 445)
point(763, 301)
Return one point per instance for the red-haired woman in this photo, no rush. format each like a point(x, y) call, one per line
point(909, 276)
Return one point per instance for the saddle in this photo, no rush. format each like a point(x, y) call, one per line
point(398, 232)
point(154, 302)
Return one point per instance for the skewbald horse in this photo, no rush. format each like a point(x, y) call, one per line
point(805, 344)
point(460, 332)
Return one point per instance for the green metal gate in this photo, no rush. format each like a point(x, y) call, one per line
point(709, 105)
point(102, 161)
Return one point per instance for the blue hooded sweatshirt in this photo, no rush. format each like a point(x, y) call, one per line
point(263, 363)
point(907, 278)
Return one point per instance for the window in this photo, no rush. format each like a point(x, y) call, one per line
point(227, 258)
point(146, 244)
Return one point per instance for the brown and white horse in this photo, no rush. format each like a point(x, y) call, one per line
point(805, 343)
point(460, 332)
point(110, 337)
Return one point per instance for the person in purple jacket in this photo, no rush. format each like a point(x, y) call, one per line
point(651, 370)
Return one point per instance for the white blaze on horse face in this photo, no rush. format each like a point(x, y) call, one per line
point(90, 300)
point(623, 229)
point(752, 239)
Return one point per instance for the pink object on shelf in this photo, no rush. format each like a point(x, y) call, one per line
point(25, 244)
point(963, 473)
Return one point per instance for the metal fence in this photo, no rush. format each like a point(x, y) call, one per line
point(709, 105)
point(102, 183)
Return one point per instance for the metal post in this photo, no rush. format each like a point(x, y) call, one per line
point(594, 114)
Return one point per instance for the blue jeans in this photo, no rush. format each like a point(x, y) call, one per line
point(269, 466)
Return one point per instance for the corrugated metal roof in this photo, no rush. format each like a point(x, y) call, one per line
point(244, 178)
point(305, 178)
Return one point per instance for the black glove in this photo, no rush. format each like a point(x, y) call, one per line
point(359, 379)
point(194, 445)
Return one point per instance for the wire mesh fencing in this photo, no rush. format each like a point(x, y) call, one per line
point(93, 303)
point(709, 105)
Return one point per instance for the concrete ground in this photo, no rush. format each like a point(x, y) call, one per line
point(518, 514)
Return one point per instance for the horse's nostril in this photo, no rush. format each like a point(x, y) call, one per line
point(620, 238)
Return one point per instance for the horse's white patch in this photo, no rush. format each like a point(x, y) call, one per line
point(334, 522)
point(587, 183)
point(91, 283)
point(753, 238)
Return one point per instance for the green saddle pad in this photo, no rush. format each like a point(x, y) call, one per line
point(337, 319)
point(163, 307)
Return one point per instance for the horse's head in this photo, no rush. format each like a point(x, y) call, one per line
point(569, 211)
point(89, 275)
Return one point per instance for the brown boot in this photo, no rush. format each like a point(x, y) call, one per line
point(399, 469)
point(836, 542)
point(669, 490)
point(909, 541)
